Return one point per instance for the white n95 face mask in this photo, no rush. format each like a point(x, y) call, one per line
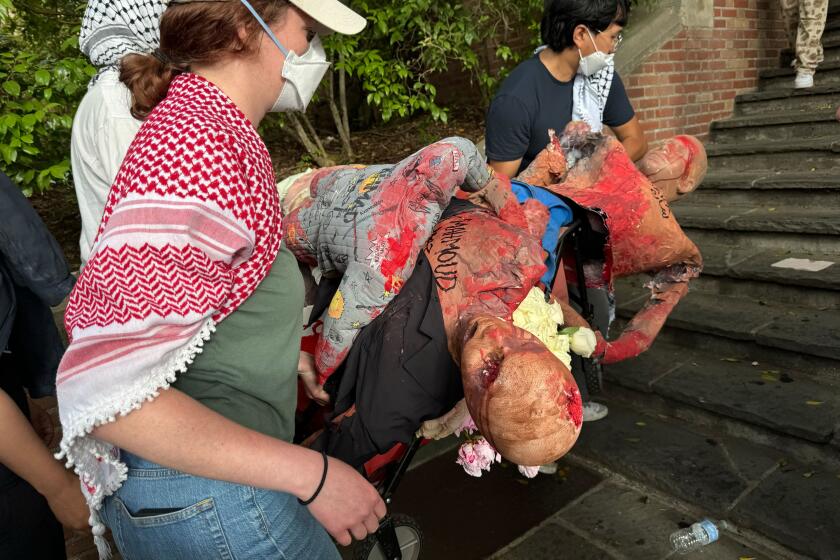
point(595, 62)
point(303, 74)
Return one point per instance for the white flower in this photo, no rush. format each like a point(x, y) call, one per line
point(542, 320)
point(528, 472)
point(583, 342)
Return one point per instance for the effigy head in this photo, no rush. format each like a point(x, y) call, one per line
point(522, 398)
point(676, 167)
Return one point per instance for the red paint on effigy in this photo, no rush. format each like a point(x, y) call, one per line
point(642, 235)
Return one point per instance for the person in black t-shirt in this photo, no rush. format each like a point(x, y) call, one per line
point(573, 77)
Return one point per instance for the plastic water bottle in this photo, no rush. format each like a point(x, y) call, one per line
point(695, 537)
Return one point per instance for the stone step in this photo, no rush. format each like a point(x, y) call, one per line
point(714, 281)
point(617, 520)
point(767, 188)
point(812, 154)
point(832, 27)
point(738, 271)
point(765, 240)
point(769, 180)
point(749, 351)
point(776, 127)
point(831, 34)
point(828, 73)
point(766, 395)
point(750, 263)
point(796, 220)
point(831, 51)
point(789, 100)
point(832, 23)
point(790, 328)
point(730, 478)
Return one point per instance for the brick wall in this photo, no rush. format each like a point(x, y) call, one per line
point(691, 81)
point(694, 78)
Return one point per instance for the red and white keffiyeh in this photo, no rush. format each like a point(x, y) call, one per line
point(190, 229)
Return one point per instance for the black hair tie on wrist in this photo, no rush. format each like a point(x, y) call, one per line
point(321, 485)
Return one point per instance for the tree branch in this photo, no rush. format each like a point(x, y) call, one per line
point(343, 133)
point(342, 97)
point(314, 148)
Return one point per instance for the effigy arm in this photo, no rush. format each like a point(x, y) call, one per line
point(643, 329)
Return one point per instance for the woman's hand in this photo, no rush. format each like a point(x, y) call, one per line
point(22, 451)
point(68, 503)
point(348, 506)
point(203, 443)
point(309, 376)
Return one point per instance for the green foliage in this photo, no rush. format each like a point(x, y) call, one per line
point(408, 42)
point(43, 76)
point(393, 65)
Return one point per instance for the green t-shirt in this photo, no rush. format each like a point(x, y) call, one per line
point(247, 371)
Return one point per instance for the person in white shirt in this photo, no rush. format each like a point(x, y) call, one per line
point(104, 127)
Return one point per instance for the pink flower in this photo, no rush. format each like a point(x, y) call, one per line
point(487, 454)
point(469, 459)
point(477, 455)
point(529, 472)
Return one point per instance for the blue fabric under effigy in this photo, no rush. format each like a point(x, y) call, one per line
point(560, 215)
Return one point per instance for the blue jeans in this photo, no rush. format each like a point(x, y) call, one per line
point(164, 514)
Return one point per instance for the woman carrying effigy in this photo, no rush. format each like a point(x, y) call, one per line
point(177, 391)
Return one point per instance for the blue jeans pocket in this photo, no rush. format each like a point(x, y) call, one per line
point(184, 534)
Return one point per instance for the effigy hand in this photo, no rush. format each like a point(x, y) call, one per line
point(309, 376)
point(450, 423)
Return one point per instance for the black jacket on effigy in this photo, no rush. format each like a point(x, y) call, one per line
point(398, 374)
point(33, 276)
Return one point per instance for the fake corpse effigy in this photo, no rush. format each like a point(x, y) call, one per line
point(449, 329)
point(634, 214)
point(367, 225)
point(448, 334)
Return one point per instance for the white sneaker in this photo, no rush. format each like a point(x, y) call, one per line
point(593, 411)
point(803, 81)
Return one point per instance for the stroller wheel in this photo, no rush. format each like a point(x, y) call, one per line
point(409, 538)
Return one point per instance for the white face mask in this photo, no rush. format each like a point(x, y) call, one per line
point(303, 73)
point(595, 62)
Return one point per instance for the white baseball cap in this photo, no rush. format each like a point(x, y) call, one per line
point(331, 15)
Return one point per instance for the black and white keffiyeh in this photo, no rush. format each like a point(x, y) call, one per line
point(112, 29)
point(590, 95)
